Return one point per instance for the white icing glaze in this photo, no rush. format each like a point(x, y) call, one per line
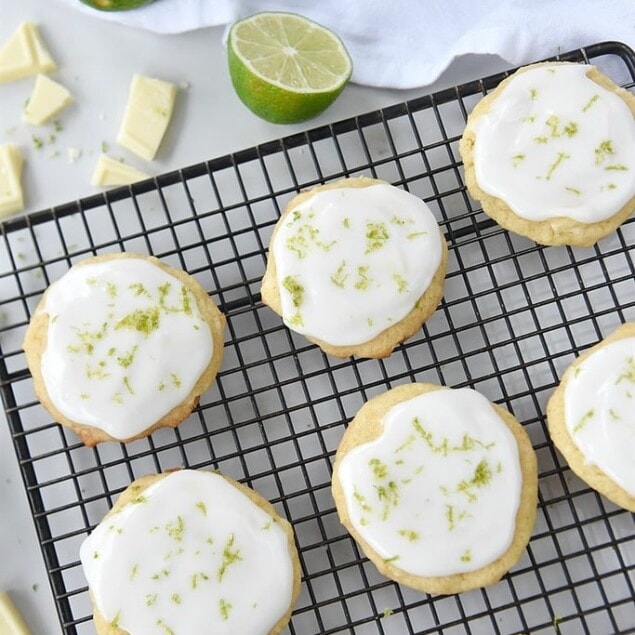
point(438, 491)
point(105, 364)
point(352, 262)
point(555, 143)
point(599, 402)
point(191, 554)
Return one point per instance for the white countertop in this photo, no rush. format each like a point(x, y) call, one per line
point(96, 61)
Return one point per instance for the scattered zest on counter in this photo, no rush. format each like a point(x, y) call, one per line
point(11, 622)
point(11, 195)
point(109, 172)
point(47, 99)
point(24, 54)
point(148, 113)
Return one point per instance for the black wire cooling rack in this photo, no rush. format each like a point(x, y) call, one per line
point(514, 316)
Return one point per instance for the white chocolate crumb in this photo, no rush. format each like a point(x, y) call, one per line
point(73, 154)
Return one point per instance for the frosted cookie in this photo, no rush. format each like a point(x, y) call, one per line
point(356, 266)
point(437, 486)
point(591, 416)
point(121, 345)
point(191, 552)
point(550, 154)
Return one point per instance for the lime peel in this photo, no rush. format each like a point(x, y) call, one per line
point(116, 5)
point(285, 67)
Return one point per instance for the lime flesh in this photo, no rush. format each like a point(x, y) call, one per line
point(286, 68)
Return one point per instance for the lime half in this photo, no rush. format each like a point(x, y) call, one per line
point(116, 5)
point(286, 68)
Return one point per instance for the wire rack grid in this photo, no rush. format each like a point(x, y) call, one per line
point(514, 316)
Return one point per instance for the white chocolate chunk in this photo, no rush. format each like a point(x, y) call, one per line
point(24, 54)
point(11, 622)
point(11, 194)
point(110, 172)
point(147, 116)
point(47, 99)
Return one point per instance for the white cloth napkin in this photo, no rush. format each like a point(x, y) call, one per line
point(409, 43)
